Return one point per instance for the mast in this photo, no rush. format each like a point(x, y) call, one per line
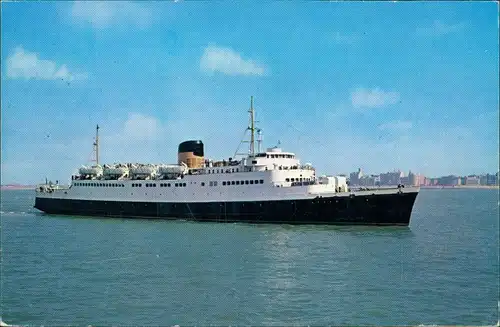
point(96, 145)
point(252, 128)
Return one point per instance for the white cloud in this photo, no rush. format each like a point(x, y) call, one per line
point(227, 61)
point(102, 14)
point(27, 65)
point(374, 98)
point(439, 28)
point(140, 127)
point(397, 125)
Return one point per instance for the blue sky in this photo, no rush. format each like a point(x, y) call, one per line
point(377, 85)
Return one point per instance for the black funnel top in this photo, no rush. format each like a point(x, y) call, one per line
point(192, 146)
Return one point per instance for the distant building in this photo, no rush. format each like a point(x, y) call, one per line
point(368, 180)
point(412, 179)
point(392, 178)
point(450, 180)
point(491, 179)
point(472, 180)
point(355, 178)
point(421, 180)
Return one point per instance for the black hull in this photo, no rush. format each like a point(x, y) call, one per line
point(382, 209)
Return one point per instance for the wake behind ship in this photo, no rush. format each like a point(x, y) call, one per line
point(263, 187)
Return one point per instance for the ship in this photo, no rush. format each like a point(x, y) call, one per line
point(270, 186)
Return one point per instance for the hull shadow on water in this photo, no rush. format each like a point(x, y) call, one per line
point(360, 230)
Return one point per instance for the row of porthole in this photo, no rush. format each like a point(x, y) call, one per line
point(224, 183)
point(221, 171)
point(99, 185)
point(251, 182)
point(297, 179)
point(161, 185)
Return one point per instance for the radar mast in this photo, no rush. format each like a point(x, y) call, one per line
point(96, 146)
point(252, 128)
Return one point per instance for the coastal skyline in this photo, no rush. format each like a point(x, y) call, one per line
point(334, 83)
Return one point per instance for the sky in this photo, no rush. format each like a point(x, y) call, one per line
point(344, 85)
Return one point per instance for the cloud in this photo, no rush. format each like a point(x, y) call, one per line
point(27, 65)
point(229, 62)
point(141, 127)
point(439, 28)
point(397, 125)
point(374, 98)
point(102, 14)
point(347, 39)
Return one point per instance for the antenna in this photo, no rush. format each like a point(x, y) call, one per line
point(259, 139)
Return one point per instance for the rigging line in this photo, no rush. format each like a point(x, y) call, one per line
point(241, 141)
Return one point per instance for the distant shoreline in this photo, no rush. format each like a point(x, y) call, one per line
point(20, 187)
point(487, 187)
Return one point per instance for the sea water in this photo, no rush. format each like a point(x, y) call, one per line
point(442, 269)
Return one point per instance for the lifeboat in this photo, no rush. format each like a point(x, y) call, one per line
point(117, 171)
point(173, 169)
point(143, 170)
point(91, 171)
